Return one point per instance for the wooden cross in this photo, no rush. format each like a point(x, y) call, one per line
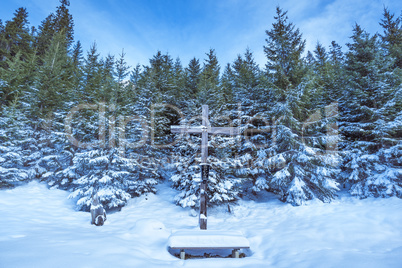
point(204, 129)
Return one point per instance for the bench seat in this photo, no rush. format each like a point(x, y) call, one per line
point(208, 239)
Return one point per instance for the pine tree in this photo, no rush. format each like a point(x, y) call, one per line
point(45, 35)
point(193, 72)
point(293, 160)
point(179, 91)
point(63, 22)
point(76, 56)
point(91, 75)
point(336, 74)
point(17, 147)
point(17, 79)
point(114, 178)
point(192, 86)
point(246, 79)
point(392, 37)
point(16, 36)
point(283, 50)
point(54, 78)
point(122, 72)
point(77, 60)
point(107, 86)
point(210, 91)
point(367, 132)
point(3, 51)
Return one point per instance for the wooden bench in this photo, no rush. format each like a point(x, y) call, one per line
point(208, 239)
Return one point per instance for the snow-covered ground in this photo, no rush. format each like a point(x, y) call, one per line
point(40, 228)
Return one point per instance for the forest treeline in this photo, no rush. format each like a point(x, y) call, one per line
point(311, 123)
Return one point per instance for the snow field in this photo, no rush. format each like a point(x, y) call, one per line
point(40, 228)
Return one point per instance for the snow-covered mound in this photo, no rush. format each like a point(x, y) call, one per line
point(40, 228)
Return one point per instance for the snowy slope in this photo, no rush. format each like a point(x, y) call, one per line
point(40, 228)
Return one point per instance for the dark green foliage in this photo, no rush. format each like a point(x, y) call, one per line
point(284, 50)
point(62, 21)
point(45, 34)
point(54, 79)
point(392, 37)
point(193, 72)
point(117, 118)
point(16, 37)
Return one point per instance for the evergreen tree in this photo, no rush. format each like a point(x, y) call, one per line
point(63, 22)
point(193, 72)
point(295, 165)
point(367, 132)
point(246, 79)
point(54, 78)
point(114, 178)
point(16, 36)
point(17, 79)
point(107, 91)
point(192, 87)
point(283, 50)
point(178, 93)
point(122, 72)
point(392, 37)
point(336, 74)
point(17, 147)
point(3, 51)
point(77, 60)
point(45, 35)
point(76, 56)
point(91, 76)
point(227, 83)
point(210, 91)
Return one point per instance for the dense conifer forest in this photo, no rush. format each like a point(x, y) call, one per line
point(312, 123)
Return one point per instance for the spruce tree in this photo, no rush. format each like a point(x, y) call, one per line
point(16, 36)
point(92, 75)
point(392, 37)
point(284, 53)
point(210, 91)
point(54, 78)
point(192, 86)
point(367, 129)
point(193, 72)
point(45, 35)
point(289, 162)
point(77, 60)
point(120, 97)
point(18, 147)
point(63, 22)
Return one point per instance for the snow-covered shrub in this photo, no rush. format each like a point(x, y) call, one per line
point(297, 167)
point(15, 148)
point(115, 179)
point(222, 185)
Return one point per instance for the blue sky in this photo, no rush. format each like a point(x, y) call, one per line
point(190, 28)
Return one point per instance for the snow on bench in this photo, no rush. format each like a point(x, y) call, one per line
point(208, 239)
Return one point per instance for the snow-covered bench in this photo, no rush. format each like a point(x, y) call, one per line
point(208, 239)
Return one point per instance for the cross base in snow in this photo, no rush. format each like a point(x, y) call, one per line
point(206, 239)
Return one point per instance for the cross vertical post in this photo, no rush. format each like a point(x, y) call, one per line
point(204, 130)
point(204, 169)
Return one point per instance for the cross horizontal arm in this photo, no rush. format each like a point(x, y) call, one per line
point(210, 130)
point(184, 129)
point(224, 130)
